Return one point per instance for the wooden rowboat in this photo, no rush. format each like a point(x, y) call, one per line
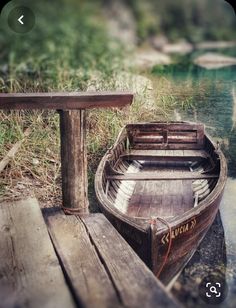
point(160, 185)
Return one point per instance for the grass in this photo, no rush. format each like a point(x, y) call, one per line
point(73, 53)
point(37, 164)
point(59, 55)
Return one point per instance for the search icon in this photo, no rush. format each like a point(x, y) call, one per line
point(213, 289)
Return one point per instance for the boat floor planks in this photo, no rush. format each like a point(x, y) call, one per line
point(161, 198)
point(30, 274)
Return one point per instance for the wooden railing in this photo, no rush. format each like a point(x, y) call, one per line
point(72, 109)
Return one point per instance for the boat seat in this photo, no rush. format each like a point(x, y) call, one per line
point(151, 176)
point(165, 155)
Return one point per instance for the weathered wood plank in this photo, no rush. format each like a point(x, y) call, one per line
point(73, 133)
point(135, 283)
point(74, 160)
point(171, 126)
point(150, 176)
point(172, 135)
point(88, 278)
point(30, 274)
point(154, 157)
point(158, 139)
point(167, 146)
point(65, 100)
point(169, 153)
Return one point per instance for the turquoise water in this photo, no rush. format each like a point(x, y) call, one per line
point(212, 100)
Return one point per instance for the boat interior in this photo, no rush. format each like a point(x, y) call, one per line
point(160, 170)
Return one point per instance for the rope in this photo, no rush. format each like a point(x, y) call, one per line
point(72, 211)
point(153, 222)
point(169, 246)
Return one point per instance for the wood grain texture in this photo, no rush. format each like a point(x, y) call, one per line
point(150, 176)
point(30, 274)
point(149, 183)
point(163, 199)
point(165, 155)
point(74, 160)
point(173, 135)
point(87, 276)
point(135, 283)
point(65, 100)
point(170, 126)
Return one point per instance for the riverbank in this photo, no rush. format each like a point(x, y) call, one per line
point(168, 79)
point(93, 59)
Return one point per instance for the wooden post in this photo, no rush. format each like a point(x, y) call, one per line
point(72, 108)
point(74, 161)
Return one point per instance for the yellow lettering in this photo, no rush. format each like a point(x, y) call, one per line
point(179, 230)
point(176, 232)
point(193, 223)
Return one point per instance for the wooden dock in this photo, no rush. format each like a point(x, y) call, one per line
point(52, 260)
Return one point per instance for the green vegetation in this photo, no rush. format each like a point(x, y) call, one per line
point(66, 47)
point(193, 20)
point(69, 50)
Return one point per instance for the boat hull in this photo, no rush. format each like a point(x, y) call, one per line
point(185, 238)
point(165, 244)
point(152, 246)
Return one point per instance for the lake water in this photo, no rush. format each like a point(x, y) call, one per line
point(211, 99)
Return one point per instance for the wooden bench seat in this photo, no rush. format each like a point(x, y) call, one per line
point(152, 176)
point(165, 155)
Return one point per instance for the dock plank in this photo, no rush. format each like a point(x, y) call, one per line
point(30, 274)
point(135, 283)
point(89, 280)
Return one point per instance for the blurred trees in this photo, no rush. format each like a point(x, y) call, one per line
point(194, 20)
